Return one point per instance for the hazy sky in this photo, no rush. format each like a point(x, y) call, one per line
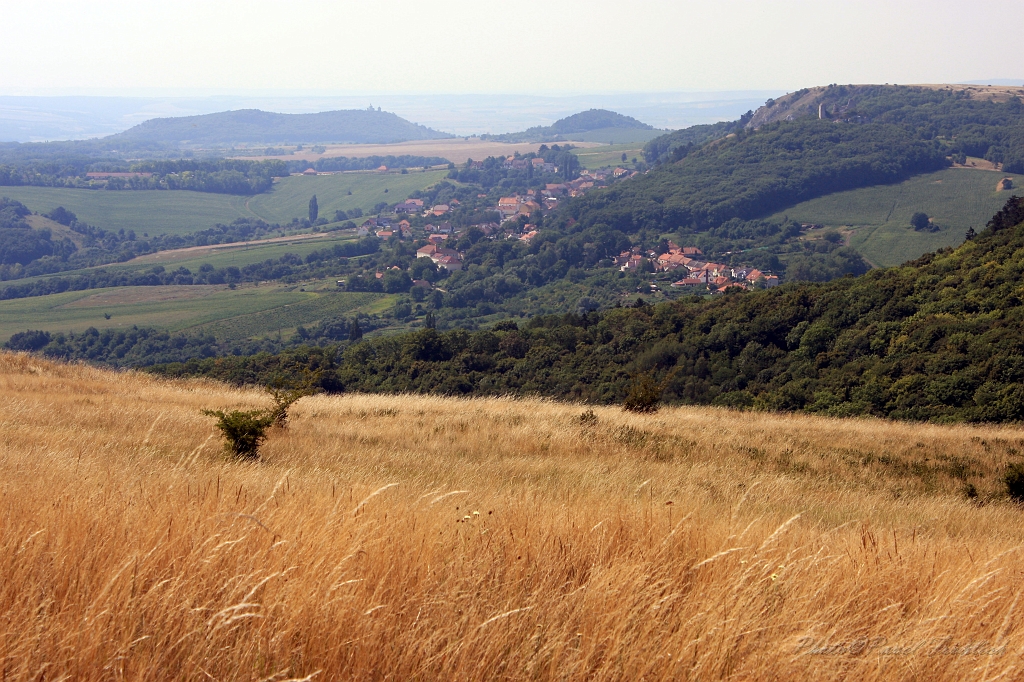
point(485, 46)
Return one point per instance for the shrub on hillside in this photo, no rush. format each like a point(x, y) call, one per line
point(644, 394)
point(1014, 481)
point(244, 432)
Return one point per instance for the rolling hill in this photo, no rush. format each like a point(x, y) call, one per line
point(593, 125)
point(253, 126)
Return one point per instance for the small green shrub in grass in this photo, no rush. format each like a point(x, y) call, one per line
point(244, 432)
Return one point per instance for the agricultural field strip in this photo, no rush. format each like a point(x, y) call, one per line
point(287, 317)
point(456, 150)
point(183, 212)
point(610, 155)
point(213, 308)
point(238, 255)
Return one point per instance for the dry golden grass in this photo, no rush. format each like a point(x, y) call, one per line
point(794, 547)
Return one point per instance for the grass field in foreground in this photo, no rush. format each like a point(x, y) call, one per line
point(955, 198)
point(408, 537)
point(180, 212)
point(228, 314)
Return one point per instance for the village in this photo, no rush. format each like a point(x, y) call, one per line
point(698, 275)
point(515, 218)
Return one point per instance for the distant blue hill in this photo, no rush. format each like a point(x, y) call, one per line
point(582, 126)
point(252, 126)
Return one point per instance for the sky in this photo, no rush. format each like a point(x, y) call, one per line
point(188, 47)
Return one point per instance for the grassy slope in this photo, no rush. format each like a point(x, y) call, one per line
point(228, 314)
point(690, 544)
point(179, 212)
point(616, 135)
point(152, 211)
point(955, 198)
point(235, 255)
point(611, 155)
point(290, 196)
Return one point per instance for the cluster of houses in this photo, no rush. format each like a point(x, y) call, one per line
point(510, 208)
point(449, 259)
point(698, 274)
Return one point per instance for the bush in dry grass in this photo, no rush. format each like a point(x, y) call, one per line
point(244, 432)
point(1014, 480)
point(644, 393)
point(283, 399)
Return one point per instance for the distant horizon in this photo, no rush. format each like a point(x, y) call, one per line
point(37, 118)
point(68, 117)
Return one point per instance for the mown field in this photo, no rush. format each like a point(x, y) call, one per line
point(413, 537)
point(290, 196)
point(955, 199)
point(220, 256)
point(615, 136)
point(608, 155)
point(149, 211)
point(180, 212)
point(228, 314)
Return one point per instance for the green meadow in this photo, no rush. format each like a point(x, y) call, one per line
point(878, 218)
point(237, 255)
point(617, 136)
point(181, 212)
point(145, 211)
point(290, 196)
point(608, 155)
point(229, 314)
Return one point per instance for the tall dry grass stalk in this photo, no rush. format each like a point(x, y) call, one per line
point(408, 537)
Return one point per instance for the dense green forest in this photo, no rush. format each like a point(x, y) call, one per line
point(940, 339)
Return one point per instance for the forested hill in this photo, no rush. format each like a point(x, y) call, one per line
point(938, 339)
point(720, 181)
point(252, 126)
point(583, 122)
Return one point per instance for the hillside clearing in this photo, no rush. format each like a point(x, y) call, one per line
point(955, 198)
point(609, 155)
point(492, 538)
